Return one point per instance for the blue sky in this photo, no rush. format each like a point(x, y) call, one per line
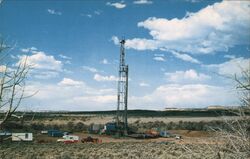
point(176, 51)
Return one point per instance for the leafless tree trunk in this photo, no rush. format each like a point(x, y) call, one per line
point(243, 86)
point(12, 85)
point(236, 138)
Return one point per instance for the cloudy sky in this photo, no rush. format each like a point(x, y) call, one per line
point(178, 51)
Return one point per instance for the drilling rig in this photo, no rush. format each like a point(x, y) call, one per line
point(122, 93)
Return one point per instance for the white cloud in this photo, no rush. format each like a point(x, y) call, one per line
point(189, 76)
point(67, 62)
point(231, 67)
point(141, 44)
point(13, 57)
point(100, 99)
point(105, 62)
point(230, 56)
point(138, 44)
point(188, 96)
point(90, 69)
point(142, 2)
point(185, 57)
point(118, 5)
point(76, 95)
point(69, 94)
point(26, 50)
point(97, 12)
point(160, 55)
point(43, 66)
point(3, 68)
point(159, 58)
point(214, 28)
point(193, 1)
point(70, 82)
point(101, 78)
point(44, 74)
point(53, 12)
point(116, 40)
point(86, 15)
point(89, 15)
point(64, 57)
point(39, 60)
point(144, 84)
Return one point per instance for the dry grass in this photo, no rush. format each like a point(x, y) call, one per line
point(104, 119)
point(126, 150)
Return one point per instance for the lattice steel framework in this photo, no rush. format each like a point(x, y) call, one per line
point(122, 93)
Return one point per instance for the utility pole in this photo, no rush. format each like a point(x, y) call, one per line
point(122, 93)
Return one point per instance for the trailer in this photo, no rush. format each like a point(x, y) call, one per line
point(22, 136)
point(55, 133)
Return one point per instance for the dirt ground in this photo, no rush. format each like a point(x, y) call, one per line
point(187, 137)
point(193, 145)
point(123, 147)
point(190, 147)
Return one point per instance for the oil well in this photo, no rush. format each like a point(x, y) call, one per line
point(120, 126)
point(122, 93)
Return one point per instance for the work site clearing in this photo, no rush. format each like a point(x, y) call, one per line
point(200, 142)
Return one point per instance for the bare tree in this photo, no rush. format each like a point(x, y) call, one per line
point(234, 141)
point(12, 85)
point(243, 86)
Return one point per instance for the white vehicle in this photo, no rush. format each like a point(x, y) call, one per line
point(69, 138)
point(44, 132)
point(22, 136)
point(178, 137)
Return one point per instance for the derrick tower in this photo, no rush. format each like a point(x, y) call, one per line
point(122, 93)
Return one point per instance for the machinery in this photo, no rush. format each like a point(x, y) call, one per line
point(90, 139)
point(122, 94)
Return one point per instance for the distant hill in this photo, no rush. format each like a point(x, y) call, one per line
point(206, 112)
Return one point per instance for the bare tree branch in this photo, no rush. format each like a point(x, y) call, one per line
point(12, 87)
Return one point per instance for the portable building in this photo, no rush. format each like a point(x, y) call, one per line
point(22, 136)
point(110, 128)
point(55, 133)
point(95, 128)
point(5, 133)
